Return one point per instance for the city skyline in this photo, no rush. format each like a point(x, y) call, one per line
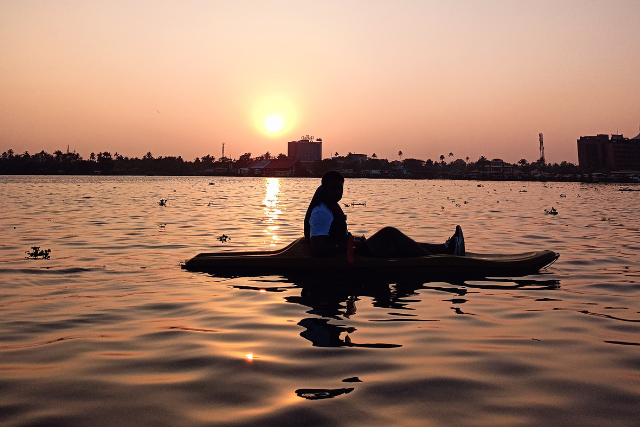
point(178, 79)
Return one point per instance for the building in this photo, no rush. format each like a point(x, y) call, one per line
point(307, 150)
point(273, 167)
point(601, 153)
point(358, 158)
point(498, 169)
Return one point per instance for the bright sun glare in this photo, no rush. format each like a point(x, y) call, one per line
point(273, 123)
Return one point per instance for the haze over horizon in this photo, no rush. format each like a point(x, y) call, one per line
point(428, 78)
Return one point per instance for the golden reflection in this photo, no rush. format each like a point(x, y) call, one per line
point(249, 356)
point(271, 210)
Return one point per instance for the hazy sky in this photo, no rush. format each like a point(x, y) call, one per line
point(470, 77)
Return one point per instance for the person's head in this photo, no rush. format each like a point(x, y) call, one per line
point(333, 184)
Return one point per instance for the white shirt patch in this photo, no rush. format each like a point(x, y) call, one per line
point(320, 221)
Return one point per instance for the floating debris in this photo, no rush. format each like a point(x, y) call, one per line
point(605, 219)
point(358, 204)
point(563, 195)
point(479, 185)
point(212, 183)
point(37, 253)
point(552, 211)
point(522, 191)
point(163, 202)
point(224, 238)
point(162, 225)
point(629, 189)
point(211, 204)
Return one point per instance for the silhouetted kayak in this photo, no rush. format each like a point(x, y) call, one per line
point(296, 258)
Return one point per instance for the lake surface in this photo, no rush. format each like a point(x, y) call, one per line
point(111, 331)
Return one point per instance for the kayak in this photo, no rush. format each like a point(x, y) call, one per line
point(296, 258)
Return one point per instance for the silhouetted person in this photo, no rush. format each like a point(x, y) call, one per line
point(325, 227)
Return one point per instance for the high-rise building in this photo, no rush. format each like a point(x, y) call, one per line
point(600, 153)
point(307, 149)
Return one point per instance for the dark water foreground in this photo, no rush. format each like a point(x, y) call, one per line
point(111, 331)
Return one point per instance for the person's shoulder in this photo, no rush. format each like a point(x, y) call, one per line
point(321, 209)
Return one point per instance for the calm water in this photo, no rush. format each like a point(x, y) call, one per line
point(111, 331)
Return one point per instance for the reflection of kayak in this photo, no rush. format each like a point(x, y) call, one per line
point(296, 258)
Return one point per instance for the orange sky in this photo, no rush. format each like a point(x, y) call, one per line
point(428, 78)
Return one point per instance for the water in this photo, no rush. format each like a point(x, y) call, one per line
point(111, 331)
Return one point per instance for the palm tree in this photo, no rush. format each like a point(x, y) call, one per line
point(441, 158)
point(373, 156)
point(400, 154)
point(467, 159)
point(450, 155)
point(336, 154)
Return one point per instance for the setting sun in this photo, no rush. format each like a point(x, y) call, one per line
point(273, 123)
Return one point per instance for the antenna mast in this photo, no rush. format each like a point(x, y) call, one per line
point(541, 148)
point(223, 149)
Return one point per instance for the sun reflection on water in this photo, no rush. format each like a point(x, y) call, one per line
point(271, 210)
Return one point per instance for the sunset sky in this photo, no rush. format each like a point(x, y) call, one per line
point(470, 77)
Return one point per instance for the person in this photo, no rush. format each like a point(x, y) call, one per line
point(325, 227)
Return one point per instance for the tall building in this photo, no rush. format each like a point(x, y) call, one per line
point(601, 153)
point(307, 150)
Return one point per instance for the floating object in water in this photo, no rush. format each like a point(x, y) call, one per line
point(629, 189)
point(522, 191)
point(210, 204)
point(563, 195)
point(297, 258)
point(224, 238)
point(479, 185)
point(36, 252)
point(552, 211)
point(162, 225)
point(605, 219)
point(163, 202)
point(358, 204)
point(212, 183)
point(346, 205)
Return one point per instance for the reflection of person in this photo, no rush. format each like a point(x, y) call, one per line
point(325, 226)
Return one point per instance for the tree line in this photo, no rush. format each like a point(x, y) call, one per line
point(71, 163)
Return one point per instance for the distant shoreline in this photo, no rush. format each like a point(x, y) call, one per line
point(351, 166)
point(600, 179)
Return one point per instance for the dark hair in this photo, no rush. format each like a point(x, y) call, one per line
point(332, 176)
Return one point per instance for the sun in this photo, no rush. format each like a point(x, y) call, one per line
point(273, 123)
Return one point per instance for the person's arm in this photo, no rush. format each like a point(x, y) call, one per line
point(320, 223)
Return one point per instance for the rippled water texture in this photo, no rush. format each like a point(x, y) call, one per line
point(111, 331)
